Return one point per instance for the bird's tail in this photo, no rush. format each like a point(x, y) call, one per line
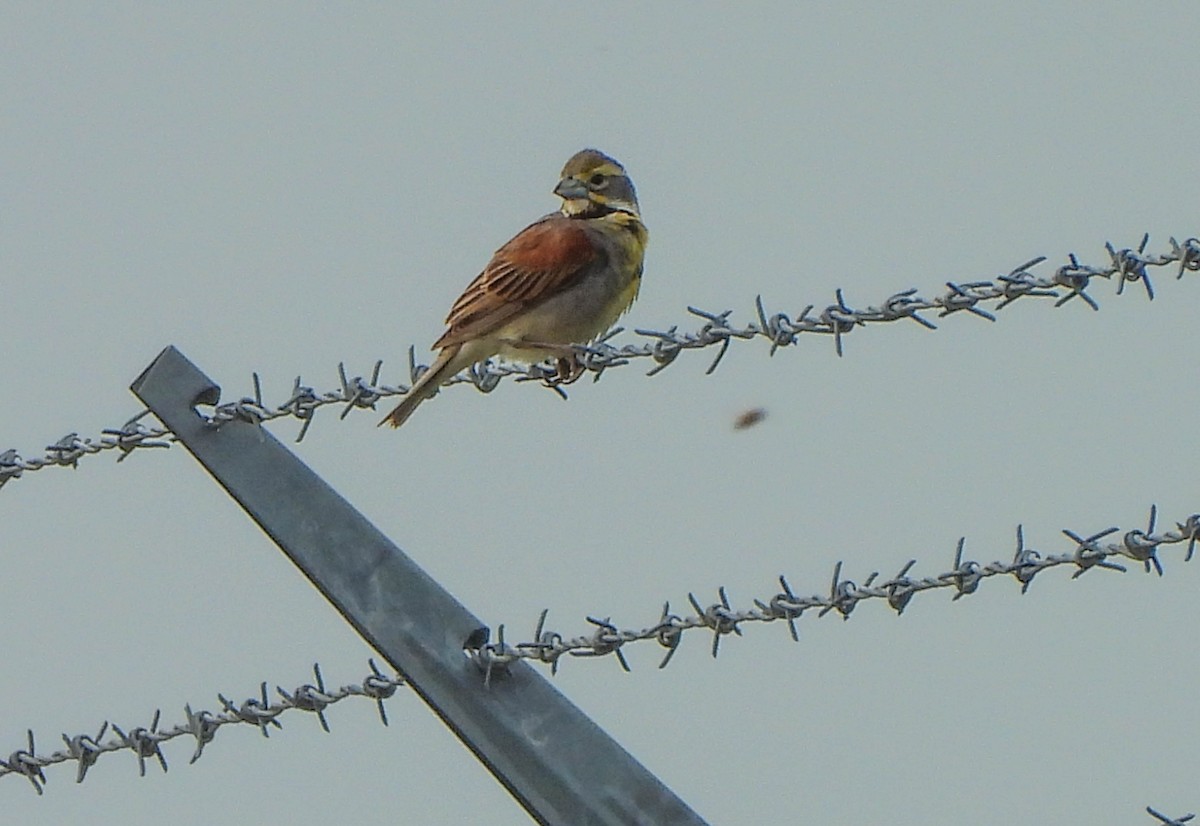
point(442, 368)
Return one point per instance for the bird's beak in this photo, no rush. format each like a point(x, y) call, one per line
point(571, 189)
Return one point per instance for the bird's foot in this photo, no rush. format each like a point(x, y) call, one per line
point(567, 371)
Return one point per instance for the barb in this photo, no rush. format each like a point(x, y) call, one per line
point(1069, 281)
point(720, 618)
point(1169, 821)
point(201, 726)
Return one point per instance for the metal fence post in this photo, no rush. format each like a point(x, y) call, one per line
point(558, 763)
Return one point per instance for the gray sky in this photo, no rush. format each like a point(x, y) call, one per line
point(278, 189)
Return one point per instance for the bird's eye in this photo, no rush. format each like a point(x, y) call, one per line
point(596, 180)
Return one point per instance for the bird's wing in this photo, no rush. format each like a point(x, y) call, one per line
point(540, 261)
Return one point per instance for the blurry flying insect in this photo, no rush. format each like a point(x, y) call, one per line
point(749, 418)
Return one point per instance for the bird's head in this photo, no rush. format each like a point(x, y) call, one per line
point(594, 184)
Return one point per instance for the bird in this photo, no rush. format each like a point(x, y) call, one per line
point(563, 280)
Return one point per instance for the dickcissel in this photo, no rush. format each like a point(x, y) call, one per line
point(562, 280)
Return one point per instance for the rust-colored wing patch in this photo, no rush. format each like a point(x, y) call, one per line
point(538, 262)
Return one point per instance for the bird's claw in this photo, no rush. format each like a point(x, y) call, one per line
point(567, 371)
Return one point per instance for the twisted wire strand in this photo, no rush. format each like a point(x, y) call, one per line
point(202, 726)
point(720, 619)
point(1069, 281)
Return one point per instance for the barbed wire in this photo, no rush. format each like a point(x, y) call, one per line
point(202, 726)
point(720, 619)
point(1068, 281)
